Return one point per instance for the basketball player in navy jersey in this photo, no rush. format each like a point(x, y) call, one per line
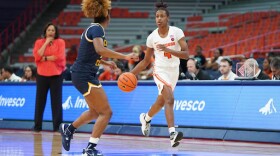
point(92, 49)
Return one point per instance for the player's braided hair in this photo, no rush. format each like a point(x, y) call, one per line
point(96, 8)
point(162, 6)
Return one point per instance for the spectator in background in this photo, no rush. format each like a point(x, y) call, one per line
point(1, 76)
point(7, 74)
point(49, 53)
point(275, 68)
point(215, 61)
point(108, 74)
point(70, 58)
point(112, 74)
point(119, 70)
point(139, 52)
point(266, 67)
point(2, 62)
point(253, 70)
point(194, 71)
point(226, 70)
point(29, 73)
point(147, 74)
point(71, 55)
point(200, 57)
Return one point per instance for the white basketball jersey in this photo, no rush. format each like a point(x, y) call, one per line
point(163, 59)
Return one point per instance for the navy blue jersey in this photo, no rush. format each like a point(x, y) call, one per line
point(83, 71)
point(88, 60)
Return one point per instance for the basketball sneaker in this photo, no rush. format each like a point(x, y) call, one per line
point(91, 152)
point(66, 136)
point(175, 138)
point(146, 126)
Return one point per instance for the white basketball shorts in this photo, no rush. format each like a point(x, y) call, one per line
point(165, 76)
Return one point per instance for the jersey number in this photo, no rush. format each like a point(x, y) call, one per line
point(168, 55)
point(97, 63)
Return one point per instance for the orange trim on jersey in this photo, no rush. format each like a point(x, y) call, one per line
point(169, 44)
point(164, 82)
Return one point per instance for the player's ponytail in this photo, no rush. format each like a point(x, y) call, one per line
point(96, 8)
point(162, 6)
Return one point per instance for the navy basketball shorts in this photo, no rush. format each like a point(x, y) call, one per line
point(85, 81)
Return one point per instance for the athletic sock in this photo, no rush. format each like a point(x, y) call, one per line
point(92, 142)
point(147, 118)
point(171, 130)
point(71, 128)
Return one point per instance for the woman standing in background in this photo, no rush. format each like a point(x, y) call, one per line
point(49, 53)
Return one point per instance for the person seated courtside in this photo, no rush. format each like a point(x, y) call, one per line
point(7, 74)
point(257, 72)
point(195, 72)
point(226, 70)
point(29, 73)
point(275, 68)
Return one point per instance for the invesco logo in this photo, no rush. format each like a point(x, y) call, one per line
point(190, 105)
point(11, 101)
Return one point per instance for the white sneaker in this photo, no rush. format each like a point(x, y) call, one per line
point(146, 126)
point(175, 138)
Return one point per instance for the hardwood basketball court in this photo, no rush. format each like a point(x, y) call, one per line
point(28, 143)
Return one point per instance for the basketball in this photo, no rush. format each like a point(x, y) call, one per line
point(127, 82)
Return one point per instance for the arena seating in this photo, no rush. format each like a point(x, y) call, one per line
point(243, 27)
point(15, 16)
point(131, 21)
point(244, 33)
point(211, 24)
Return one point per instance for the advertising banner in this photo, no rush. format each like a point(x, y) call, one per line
point(241, 105)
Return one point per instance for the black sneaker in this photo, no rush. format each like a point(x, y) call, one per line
point(36, 129)
point(66, 136)
point(91, 152)
point(175, 138)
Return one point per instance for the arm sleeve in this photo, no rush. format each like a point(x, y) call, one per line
point(60, 54)
point(149, 41)
point(38, 44)
point(179, 34)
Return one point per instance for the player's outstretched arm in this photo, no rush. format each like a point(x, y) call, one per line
point(105, 52)
point(144, 63)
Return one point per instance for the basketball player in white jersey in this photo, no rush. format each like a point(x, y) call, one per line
point(168, 44)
